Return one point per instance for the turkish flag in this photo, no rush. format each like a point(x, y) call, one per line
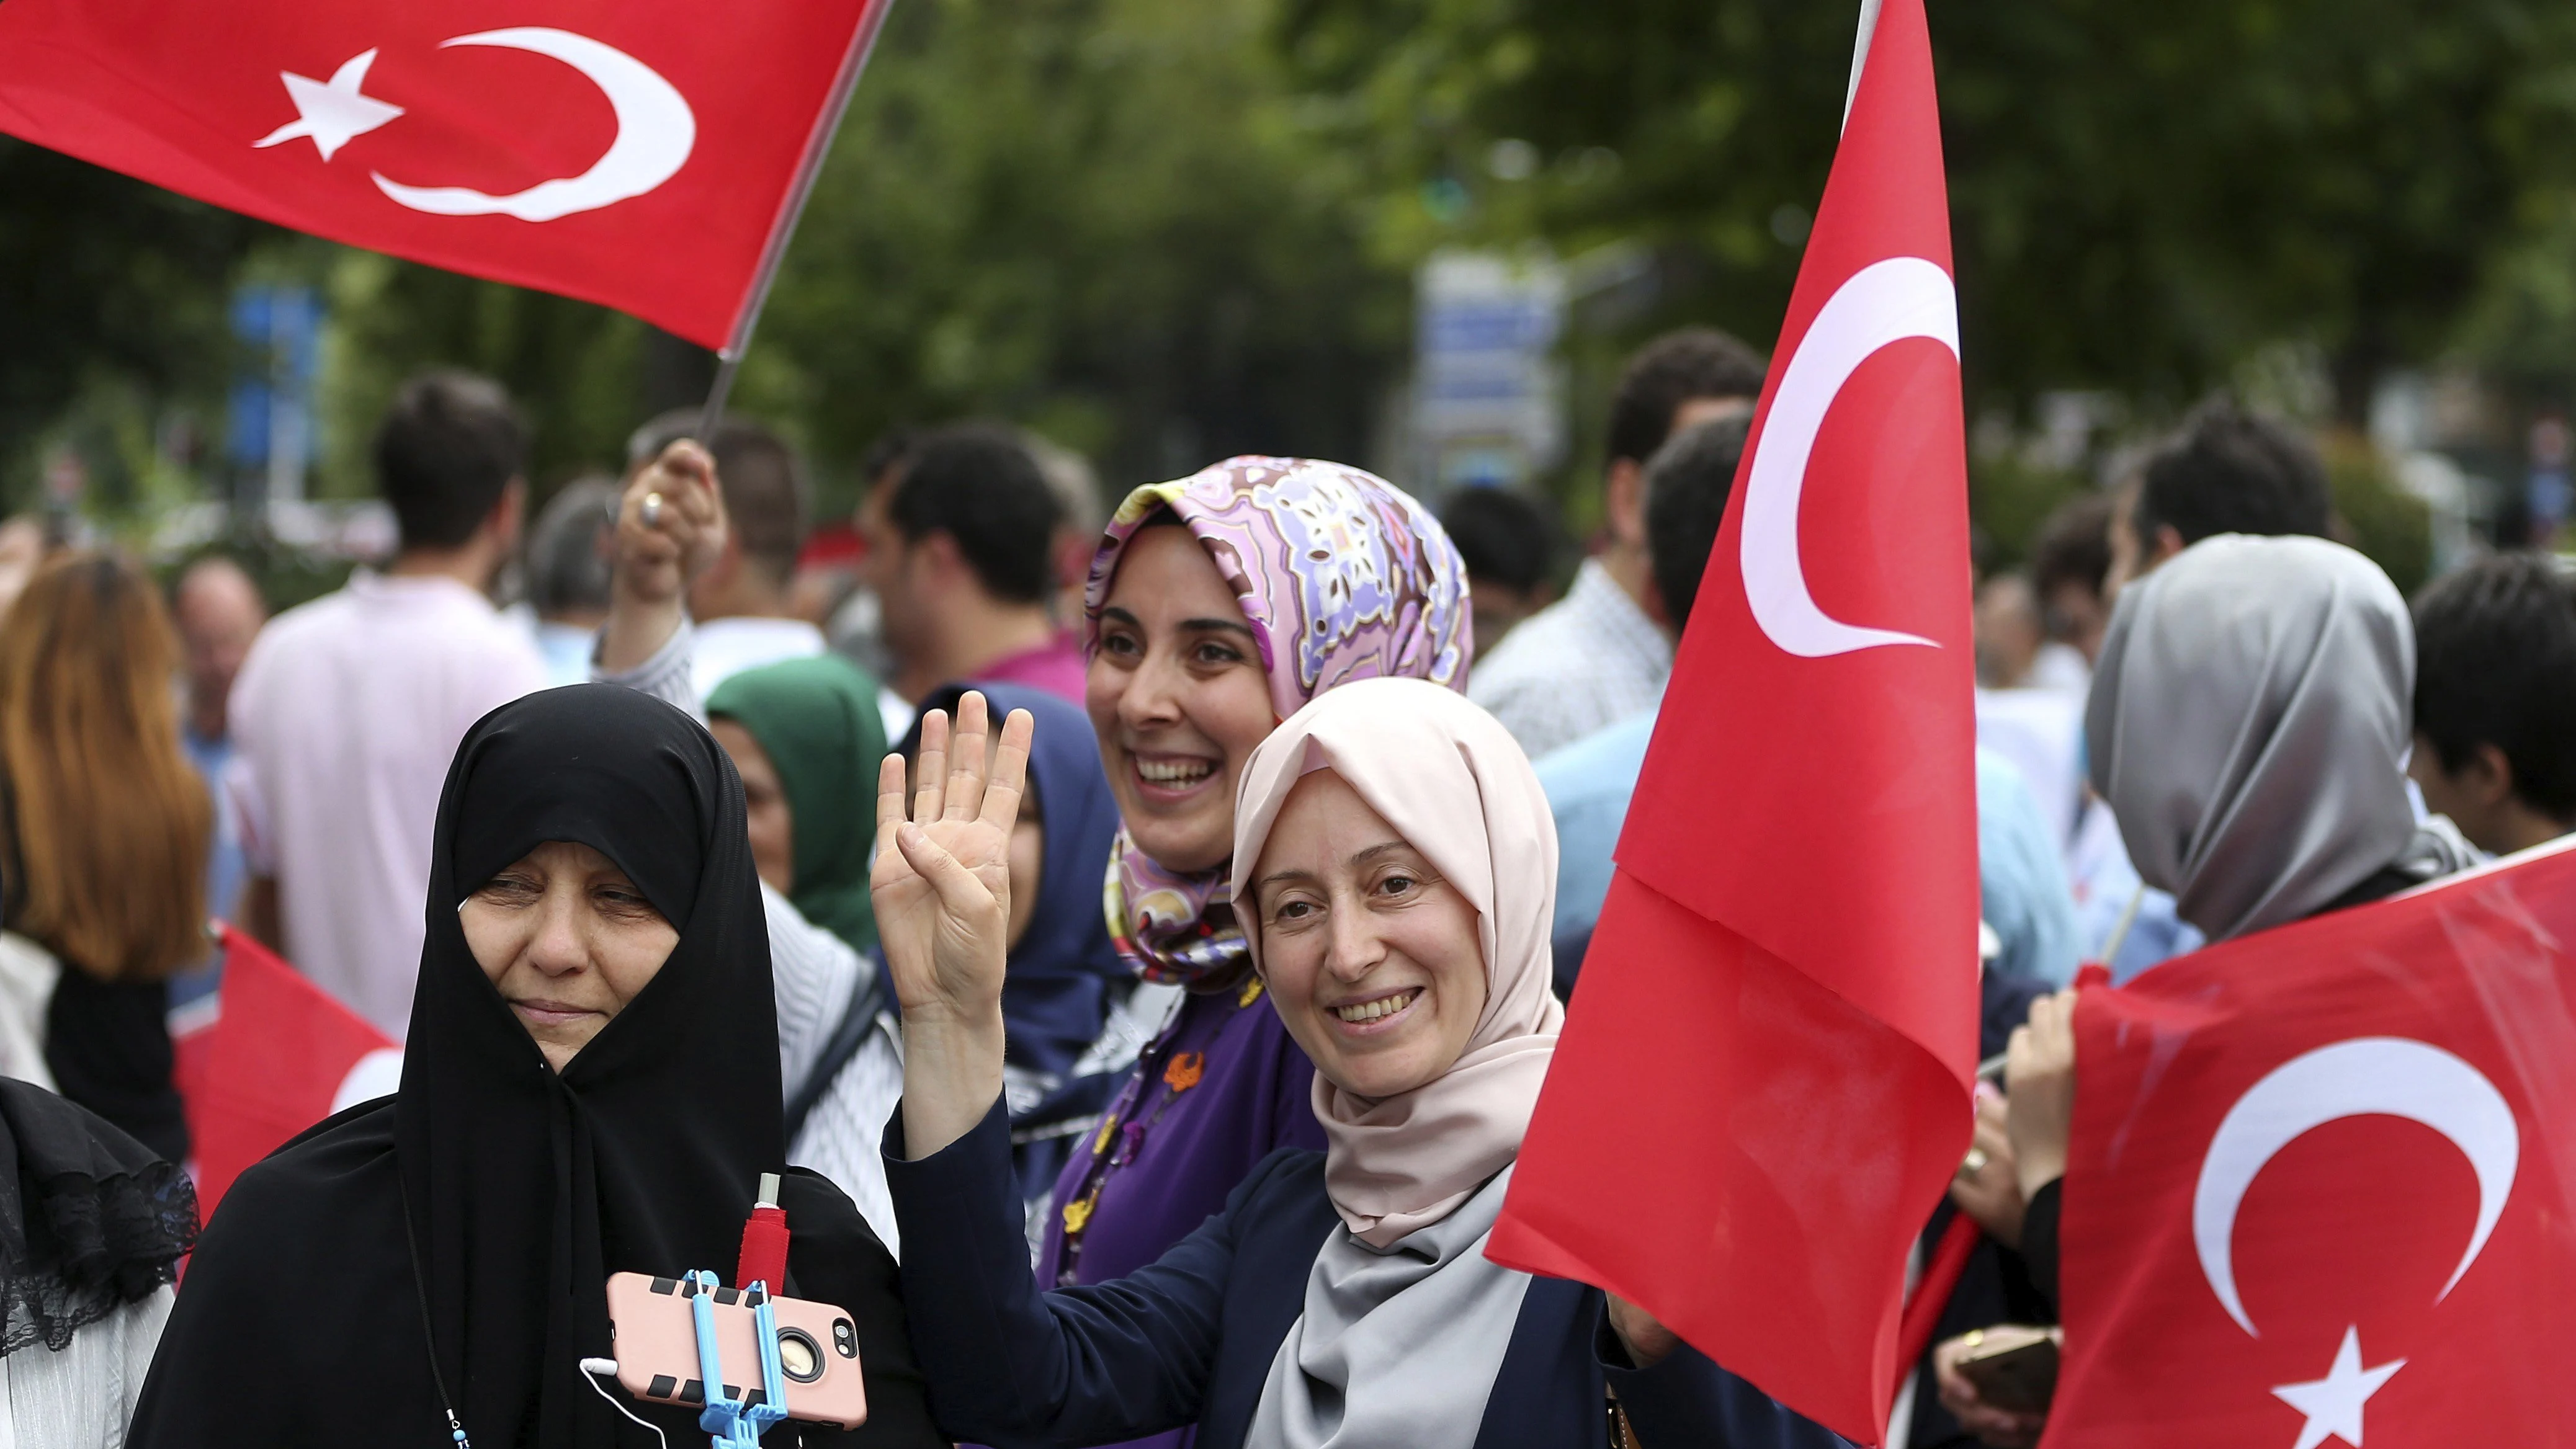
point(1763, 1084)
point(2321, 1180)
point(637, 153)
point(278, 1055)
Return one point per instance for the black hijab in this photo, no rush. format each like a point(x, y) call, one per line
point(525, 1189)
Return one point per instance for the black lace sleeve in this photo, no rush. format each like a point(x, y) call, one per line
point(90, 1219)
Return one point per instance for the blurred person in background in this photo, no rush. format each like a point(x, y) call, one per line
point(108, 830)
point(960, 554)
point(1076, 487)
point(219, 612)
point(2225, 471)
point(856, 627)
point(1589, 782)
point(2546, 494)
point(2070, 565)
point(1509, 543)
point(1596, 656)
point(349, 708)
point(567, 574)
point(2009, 631)
point(2495, 700)
point(743, 604)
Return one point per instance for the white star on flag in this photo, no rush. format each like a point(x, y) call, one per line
point(2333, 1403)
point(332, 114)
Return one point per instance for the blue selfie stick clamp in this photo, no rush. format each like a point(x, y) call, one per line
point(735, 1423)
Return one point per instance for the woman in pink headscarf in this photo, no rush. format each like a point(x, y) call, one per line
point(1394, 863)
point(1218, 605)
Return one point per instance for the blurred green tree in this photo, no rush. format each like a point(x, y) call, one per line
point(1103, 218)
point(2141, 195)
point(108, 288)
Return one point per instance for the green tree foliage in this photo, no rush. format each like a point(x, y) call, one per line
point(2141, 194)
point(1103, 218)
point(575, 369)
point(108, 288)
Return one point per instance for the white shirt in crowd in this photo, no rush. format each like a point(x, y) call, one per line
point(726, 647)
point(1588, 660)
point(84, 1396)
point(345, 717)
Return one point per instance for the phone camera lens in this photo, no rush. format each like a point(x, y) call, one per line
point(845, 1338)
point(799, 1357)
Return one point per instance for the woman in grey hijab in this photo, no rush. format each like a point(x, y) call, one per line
point(2248, 726)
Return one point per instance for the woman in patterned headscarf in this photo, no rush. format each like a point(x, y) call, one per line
point(1218, 606)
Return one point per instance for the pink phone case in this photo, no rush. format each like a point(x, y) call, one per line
point(656, 1342)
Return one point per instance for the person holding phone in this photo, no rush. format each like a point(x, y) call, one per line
point(591, 1087)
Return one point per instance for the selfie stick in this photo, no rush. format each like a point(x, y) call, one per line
point(734, 1423)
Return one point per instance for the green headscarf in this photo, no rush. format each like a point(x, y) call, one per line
point(819, 721)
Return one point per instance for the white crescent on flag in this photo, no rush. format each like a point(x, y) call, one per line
point(1876, 307)
point(656, 131)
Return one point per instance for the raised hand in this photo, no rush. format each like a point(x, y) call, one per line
point(671, 528)
point(670, 523)
point(942, 887)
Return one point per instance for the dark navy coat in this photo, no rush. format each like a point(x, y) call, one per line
point(1190, 1338)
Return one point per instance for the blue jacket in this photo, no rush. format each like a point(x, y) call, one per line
point(1190, 1339)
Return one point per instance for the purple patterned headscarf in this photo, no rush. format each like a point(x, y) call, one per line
point(1342, 576)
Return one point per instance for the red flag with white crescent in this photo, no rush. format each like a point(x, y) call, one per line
point(636, 153)
point(276, 1055)
point(1763, 1084)
point(2322, 1181)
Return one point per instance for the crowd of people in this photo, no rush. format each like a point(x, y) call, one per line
point(1134, 937)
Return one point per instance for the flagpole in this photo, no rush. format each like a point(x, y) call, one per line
point(792, 210)
point(1860, 54)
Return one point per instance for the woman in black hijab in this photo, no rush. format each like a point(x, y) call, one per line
point(569, 1109)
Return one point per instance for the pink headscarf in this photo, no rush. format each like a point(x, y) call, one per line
point(1451, 781)
point(1342, 576)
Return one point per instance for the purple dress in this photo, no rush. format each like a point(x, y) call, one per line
point(1219, 1090)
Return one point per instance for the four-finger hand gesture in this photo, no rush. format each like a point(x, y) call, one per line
point(942, 882)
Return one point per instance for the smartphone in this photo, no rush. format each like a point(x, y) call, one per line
point(2013, 1368)
point(654, 1330)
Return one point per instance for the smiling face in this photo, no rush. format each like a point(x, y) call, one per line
point(1371, 958)
point(1177, 696)
point(567, 940)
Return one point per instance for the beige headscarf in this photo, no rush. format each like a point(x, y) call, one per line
point(1451, 781)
